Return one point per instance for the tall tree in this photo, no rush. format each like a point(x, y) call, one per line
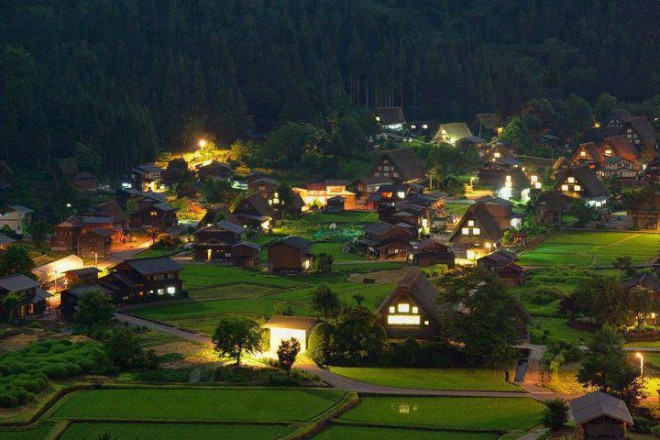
point(236, 335)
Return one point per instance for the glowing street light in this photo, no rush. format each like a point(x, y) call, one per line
point(202, 143)
point(640, 356)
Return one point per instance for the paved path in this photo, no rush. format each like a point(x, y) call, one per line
point(183, 334)
point(115, 258)
point(647, 349)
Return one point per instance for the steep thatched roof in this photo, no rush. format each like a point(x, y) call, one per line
point(390, 115)
point(418, 288)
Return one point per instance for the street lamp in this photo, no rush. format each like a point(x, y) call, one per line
point(202, 143)
point(640, 356)
point(96, 259)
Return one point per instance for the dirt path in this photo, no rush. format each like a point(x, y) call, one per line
point(179, 333)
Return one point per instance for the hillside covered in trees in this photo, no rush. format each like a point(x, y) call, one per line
point(129, 77)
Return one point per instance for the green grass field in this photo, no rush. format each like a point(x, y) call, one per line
point(436, 379)
point(225, 404)
point(448, 412)
point(36, 433)
point(583, 249)
point(173, 431)
point(457, 209)
point(343, 432)
point(556, 329)
point(197, 276)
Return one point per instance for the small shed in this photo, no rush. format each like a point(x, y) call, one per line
point(287, 327)
point(600, 416)
point(335, 204)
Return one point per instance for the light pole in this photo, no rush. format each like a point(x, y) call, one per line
point(96, 259)
point(640, 356)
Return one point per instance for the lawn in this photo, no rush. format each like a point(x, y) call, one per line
point(435, 379)
point(342, 432)
point(233, 291)
point(174, 431)
point(256, 404)
point(584, 249)
point(335, 249)
point(38, 432)
point(449, 412)
point(457, 209)
point(197, 276)
point(309, 224)
point(545, 330)
point(202, 315)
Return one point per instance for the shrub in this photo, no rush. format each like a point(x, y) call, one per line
point(655, 430)
point(642, 425)
point(8, 400)
point(556, 414)
point(543, 296)
point(318, 342)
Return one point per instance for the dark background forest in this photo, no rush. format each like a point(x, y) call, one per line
point(131, 77)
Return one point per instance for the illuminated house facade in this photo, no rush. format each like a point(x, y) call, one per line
point(148, 177)
point(588, 154)
point(317, 194)
point(507, 182)
point(255, 212)
point(33, 299)
point(411, 308)
point(390, 118)
point(386, 241)
point(144, 279)
point(452, 133)
point(283, 328)
point(582, 183)
point(16, 218)
point(214, 242)
point(480, 230)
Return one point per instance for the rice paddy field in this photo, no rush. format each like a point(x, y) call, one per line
point(343, 432)
point(589, 249)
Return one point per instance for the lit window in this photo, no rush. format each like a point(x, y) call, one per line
point(534, 179)
point(154, 213)
point(470, 222)
point(508, 178)
point(497, 155)
point(171, 290)
point(608, 152)
point(476, 231)
point(426, 323)
point(465, 231)
point(401, 194)
point(571, 180)
point(404, 308)
point(564, 187)
point(392, 309)
point(577, 188)
point(415, 309)
point(403, 319)
point(161, 291)
point(583, 153)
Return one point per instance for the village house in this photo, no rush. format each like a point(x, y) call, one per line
point(498, 153)
point(110, 209)
point(646, 280)
point(640, 133)
point(214, 170)
point(431, 252)
point(5, 242)
point(264, 185)
point(214, 242)
point(386, 241)
point(419, 217)
point(588, 154)
point(452, 133)
point(616, 166)
point(652, 171)
point(616, 120)
point(69, 298)
point(96, 243)
point(159, 215)
point(16, 218)
point(81, 276)
point(67, 233)
point(290, 255)
point(245, 254)
point(33, 299)
point(80, 180)
point(217, 214)
point(582, 183)
point(621, 159)
point(401, 165)
point(551, 206)
point(600, 416)
point(148, 177)
point(283, 328)
point(505, 181)
point(317, 194)
point(488, 124)
point(503, 264)
point(367, 186)
point(390, 118)
point(479, 232)
point(144, 279)
point(255, 212)
point(411, 309)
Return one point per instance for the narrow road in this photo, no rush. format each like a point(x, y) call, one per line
point(179, 333)
point(115, 258)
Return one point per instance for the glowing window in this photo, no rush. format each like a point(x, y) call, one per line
point(415, 310)
point(403, 319)
point(426, 323)
point(403, 308)
point(508, 178)
point(608, 152)
point(470, 222)
point(465, 231)
point(583, 153)
point(476, 231)
point(571, 180)
point(392, 309)
point(577, 188)
point(564, 187)
point(171, 290)
point(496, 154)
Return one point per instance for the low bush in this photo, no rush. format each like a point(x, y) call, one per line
point(642, 425)
point(556, 414)
point(543, 296)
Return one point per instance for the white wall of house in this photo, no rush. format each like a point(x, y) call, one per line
point(277, 335)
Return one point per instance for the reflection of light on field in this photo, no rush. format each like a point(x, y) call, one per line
point(403, 408)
